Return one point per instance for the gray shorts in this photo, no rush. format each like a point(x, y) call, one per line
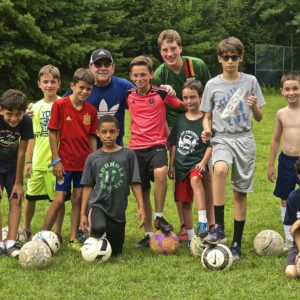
point(238, 151)
point(290, 260)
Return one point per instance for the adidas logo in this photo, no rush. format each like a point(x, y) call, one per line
point(101, 53)
point(68, 118)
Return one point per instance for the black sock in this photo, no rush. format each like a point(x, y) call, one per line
point(219, 215)
point(238, 232)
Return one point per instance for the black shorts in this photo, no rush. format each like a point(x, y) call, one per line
point(7, 181)
point(150, 159)
point(290, 260)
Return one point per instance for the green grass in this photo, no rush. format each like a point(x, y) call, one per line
point(144, 275)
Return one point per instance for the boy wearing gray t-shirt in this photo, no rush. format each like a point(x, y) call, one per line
point(230, 101)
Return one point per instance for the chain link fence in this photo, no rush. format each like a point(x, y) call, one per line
point(272, 61)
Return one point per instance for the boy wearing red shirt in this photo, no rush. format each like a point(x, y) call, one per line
point(147, 107)
point(72, 136)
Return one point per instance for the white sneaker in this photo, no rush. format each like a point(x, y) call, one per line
point(288, 244)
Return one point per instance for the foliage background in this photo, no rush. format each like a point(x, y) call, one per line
point(64, 33)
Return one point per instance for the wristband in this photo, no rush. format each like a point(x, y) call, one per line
point(54, 162)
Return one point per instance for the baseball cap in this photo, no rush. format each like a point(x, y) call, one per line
point(100, 53)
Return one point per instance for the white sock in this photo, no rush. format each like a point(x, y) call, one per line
point(158, 214)
point(2, 245)
point(202, 216)
point(190, 233)
point(286, 228)
point(148, 233)
point(10, 243)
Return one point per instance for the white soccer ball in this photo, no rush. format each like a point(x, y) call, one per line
point(96, 249)
point(197, 246)
point(49, 238)
point(21, 237)
point(268, 242)
point(217, 258)
point(35, 254)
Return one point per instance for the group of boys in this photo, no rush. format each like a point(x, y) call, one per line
point(218, 135)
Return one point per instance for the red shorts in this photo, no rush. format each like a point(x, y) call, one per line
point(183, 188)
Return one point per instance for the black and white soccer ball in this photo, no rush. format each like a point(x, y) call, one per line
point(217, 258)
point(49, 238)
point(268, 242)
point(197, 246)
point(21, 237)
point(96, 249)
point(35, 254)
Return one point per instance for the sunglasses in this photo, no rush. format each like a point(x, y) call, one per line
point(232, 57)
point(105, 64)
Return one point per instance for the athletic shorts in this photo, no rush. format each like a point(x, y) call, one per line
point(286, 176)
point(69, 178)
point(238, 151)
point(290, 260)
point(99, 223)
point(41, 186)
point(150, 159)
point(7, 181)
point(183, 188)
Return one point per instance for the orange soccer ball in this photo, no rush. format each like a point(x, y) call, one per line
point(164, 243)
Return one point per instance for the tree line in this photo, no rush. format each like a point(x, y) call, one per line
point(64, 33)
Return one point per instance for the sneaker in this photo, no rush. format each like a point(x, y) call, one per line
point(183, 236)
point(81, 236)
point(143, 243)
point(2, 251)
point(13, 251)
point(202, 229)
point(75, 245)
point(162, 224)
point(215, 236)
point(28, 233)
point(288, 244)
point(236, 251)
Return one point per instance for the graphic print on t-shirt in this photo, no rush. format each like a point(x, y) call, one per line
point(187, 142)
point(103, 109)
point(233, 102)
point(111, 176)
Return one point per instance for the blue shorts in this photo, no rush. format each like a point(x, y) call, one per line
point(69, 177)
point(286, 176)
point(7, 181)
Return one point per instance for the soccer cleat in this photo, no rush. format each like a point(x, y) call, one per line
point(81, 236)
point(13, 251)
point(28, 233)
point(143, 243)
point(2, 251)
point(162, 224)
point(75, 245)
point(202, 229)
point(215, 236)
point(236, 251)
point(288, 244)
point(183, 236)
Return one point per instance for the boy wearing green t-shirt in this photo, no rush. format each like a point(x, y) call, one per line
point(41, 180)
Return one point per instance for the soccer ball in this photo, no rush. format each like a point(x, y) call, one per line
point(197, 246)
point(21, 237)
point(49, 238)
point(217, 258)
point(165, 243)
point(35, 254)
point(96, 249)
point(268, 242)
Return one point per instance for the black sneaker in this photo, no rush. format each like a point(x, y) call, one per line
point(162, 224)
point(13, 251)
point(215, 236)
point(143, 243)
point(236, 251)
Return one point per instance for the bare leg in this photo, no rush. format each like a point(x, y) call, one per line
point(187, 211)
point(219, 182)
point(75, 212)
point(199, 194)
point(148, 211)
point(240, 205)
point(28, 213)
point(207, 185)
point(160, 188)
point(13, 219)
point(60, 219)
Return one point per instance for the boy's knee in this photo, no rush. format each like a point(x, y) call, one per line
point(291, 272)
point(97, 230)
point(220, 170)
point(195, 181)
point(160, 173)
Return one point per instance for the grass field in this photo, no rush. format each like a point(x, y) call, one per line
point(142, 275)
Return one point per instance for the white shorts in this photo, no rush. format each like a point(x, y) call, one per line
point(239, 151)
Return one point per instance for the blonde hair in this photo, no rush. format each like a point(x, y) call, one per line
point(170, 36)
point(49, 69)
point(142, 61)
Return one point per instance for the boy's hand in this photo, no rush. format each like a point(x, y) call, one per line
point(200, 167)
point(17, 193)
point(170, 91)
point(272, 174)
point(295, 227)
point(29, 110)
point(28, 169)
point(251, 101)
point(206, 135)
point(171, 173)
point(83, 222)
point(58, 170)
point(141, 216)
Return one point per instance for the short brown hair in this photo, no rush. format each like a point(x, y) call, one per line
point(49, 69)
point(83, 75)
point(289, 76)
point(142, 61)
point(194, 84)
point(13, 99)
point(230, 44)
point(170, 36)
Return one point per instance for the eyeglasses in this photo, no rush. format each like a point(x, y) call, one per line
point(105, 64)
point(232, 57)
